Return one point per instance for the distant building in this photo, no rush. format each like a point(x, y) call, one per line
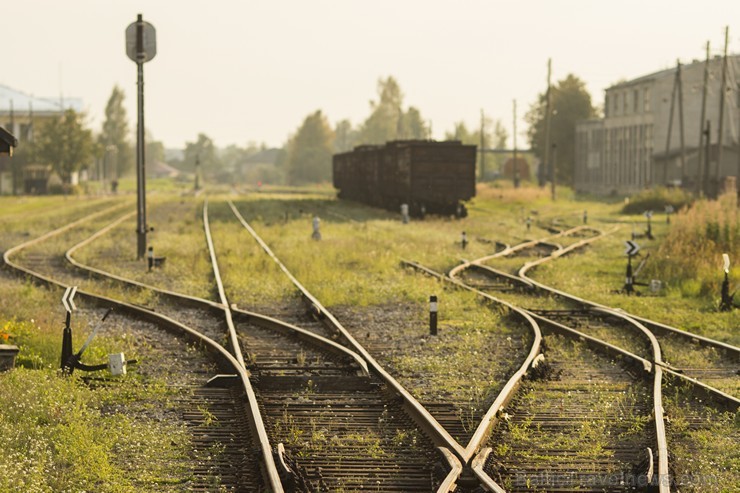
point(21, 114)
point(626, 150)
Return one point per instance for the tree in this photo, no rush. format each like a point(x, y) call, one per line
point(569, 103)
point(310, 151)
point(412, 125)
point(204, 152)
point(388, 120)
point(65, 144)
point(344, 136)
point(115, 132)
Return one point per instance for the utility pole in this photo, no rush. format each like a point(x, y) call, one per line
point(554, 157)
point(699, 187)
point(670, 129)
point(680, 117)
point(705, 171)
point(482, 146)
point(548, 163)
point(13, 166)
point(516, 166)
point(723, 87)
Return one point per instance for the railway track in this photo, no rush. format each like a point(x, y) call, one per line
point(224, 433)
point(714, 363)
point(414, 411)
point(584, 422)
point(580, 419)
point(336, 425)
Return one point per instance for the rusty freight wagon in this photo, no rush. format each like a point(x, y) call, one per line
point(435, 177)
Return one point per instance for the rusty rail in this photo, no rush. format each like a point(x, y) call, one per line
point(416, 411)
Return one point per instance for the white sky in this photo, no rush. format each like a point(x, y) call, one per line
point(243, 71)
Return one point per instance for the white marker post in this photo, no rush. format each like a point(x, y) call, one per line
point(668, 211)
point(433, 315)
point(725, 304)
point(649, 232)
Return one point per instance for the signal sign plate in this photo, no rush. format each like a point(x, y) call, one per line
point(632, 248)
point(148, 42)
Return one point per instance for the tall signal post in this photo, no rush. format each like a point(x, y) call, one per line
point(141, 46)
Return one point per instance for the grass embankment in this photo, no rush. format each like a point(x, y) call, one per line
point(365, 243)
point(59, 434)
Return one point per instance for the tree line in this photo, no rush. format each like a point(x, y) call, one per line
point(68, 145)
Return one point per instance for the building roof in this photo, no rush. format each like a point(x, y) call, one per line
point(663, 73)
point(22, 102)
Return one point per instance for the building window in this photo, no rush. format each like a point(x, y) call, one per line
point(606, 106)
point(646, 100)
point(626, 103)
point(636, 101)
point(616, 103)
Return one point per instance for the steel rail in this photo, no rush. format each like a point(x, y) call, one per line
point(417, 412)
point(267, 462)
point(257, 318)
point(233, 340)
point(643, 325)
point(489, 419)
point(513, 249)
point(663, 479)
point(660, 327)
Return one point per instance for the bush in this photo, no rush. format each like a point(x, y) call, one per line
point(656, 199)
point(694, 246)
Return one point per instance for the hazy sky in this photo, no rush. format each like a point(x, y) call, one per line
point(243, 71)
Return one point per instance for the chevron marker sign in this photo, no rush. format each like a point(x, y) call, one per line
point(68, 299)
point(632, 248)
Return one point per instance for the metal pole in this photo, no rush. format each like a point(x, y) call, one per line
point(516, 167)
point(433, 315)
point(482, 147)
point(680, 118)
point(670, 129)
point(723, 86)
point(705, 171)
point(547, 132)
point(554, 159)
point(140, 162)
point(699, 185)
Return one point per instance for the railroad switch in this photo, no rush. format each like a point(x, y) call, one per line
point(70, 360)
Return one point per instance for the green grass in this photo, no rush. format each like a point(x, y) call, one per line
point(702, 440)
point(178, 235)
point(356, 264)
